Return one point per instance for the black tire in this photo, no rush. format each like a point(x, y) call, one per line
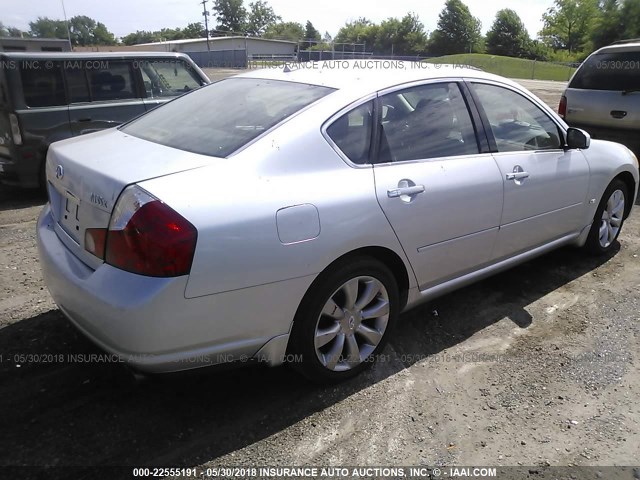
point(368, 274)
point(594, 244)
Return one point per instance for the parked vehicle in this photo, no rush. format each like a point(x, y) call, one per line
point(292, 215)
point(603, 96)
point(46, 97)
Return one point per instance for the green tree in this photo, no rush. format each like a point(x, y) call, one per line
point(86, 31)
point(311, 35)
point(361, 31)
point(508, 35)
point(194, 30)
point(44, 27)
point(285, 31)
point(231, 15)
point(16, 32)
point(401, 37)
point(630, 12)
point(608, 26)
point(567, 25)
point(458, 31)
point(260, 16)
point(140, 36)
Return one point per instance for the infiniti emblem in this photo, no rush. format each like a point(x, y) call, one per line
point(59, 172)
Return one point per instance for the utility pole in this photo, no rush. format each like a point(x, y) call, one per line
point(206, 23)
point(66, 22)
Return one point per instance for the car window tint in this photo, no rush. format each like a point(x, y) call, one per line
point(609, 71)
point(516, 122)
point(222, 117)
point(77, 84)
point(114, 83)
point(167, 78)
point(42, 83)
point(427, 121)
point(352, 133)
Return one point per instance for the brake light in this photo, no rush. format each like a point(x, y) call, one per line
point(562, 108)
point(148, 237)
point(15, 129)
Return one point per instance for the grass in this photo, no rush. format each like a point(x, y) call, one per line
point(510, 67)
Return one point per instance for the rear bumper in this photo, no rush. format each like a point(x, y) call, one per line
point(150, 324)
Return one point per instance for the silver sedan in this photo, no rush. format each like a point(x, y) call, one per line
point(290, 215)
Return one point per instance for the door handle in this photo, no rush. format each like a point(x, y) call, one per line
point(398, 192)
point(517, 175)
point(618, 114)
point(87, 119)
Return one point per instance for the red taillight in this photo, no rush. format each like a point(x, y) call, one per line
point(155, 240)
point(562, 108)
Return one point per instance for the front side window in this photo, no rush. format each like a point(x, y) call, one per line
point(113, 83)
point(352, 133)
point(167, 78)
point(42, 83)
point(220, 118)
point(517, 123)
point(428, 121)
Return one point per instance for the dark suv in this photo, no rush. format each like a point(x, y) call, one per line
point(603, 96)
point(45, 97)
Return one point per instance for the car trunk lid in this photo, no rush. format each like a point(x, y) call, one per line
point(85, 176)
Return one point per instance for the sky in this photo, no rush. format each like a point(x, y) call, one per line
point(125, 16)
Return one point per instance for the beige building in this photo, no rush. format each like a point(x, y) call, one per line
point(11, 44)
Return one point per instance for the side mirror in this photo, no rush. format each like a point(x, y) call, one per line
point(577, 138)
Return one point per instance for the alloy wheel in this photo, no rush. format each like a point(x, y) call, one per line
point(352, 323)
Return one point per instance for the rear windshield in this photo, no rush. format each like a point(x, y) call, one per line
point(609, 71)
point(220, 118)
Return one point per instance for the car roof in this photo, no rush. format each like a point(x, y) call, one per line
point(366, 75)
point(631, 46)
point(89, 55)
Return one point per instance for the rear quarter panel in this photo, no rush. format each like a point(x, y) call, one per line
point(234, 204)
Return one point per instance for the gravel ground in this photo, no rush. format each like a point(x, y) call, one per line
point(536, 366)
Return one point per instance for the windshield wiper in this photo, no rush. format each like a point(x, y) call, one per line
point(631, 90)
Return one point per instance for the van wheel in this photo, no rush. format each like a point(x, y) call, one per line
point(344, 320)
point(608, 220)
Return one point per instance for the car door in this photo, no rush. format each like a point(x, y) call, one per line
point(103, 94)
point(545, 185)
point(442, 196)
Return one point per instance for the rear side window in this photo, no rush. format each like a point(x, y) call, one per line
point(220, 118)
point(77, 84)
point(609, 71)
point(42, 83)
point(352, 133)
point(168, 78)
point(427, 121)
point(114, 83)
